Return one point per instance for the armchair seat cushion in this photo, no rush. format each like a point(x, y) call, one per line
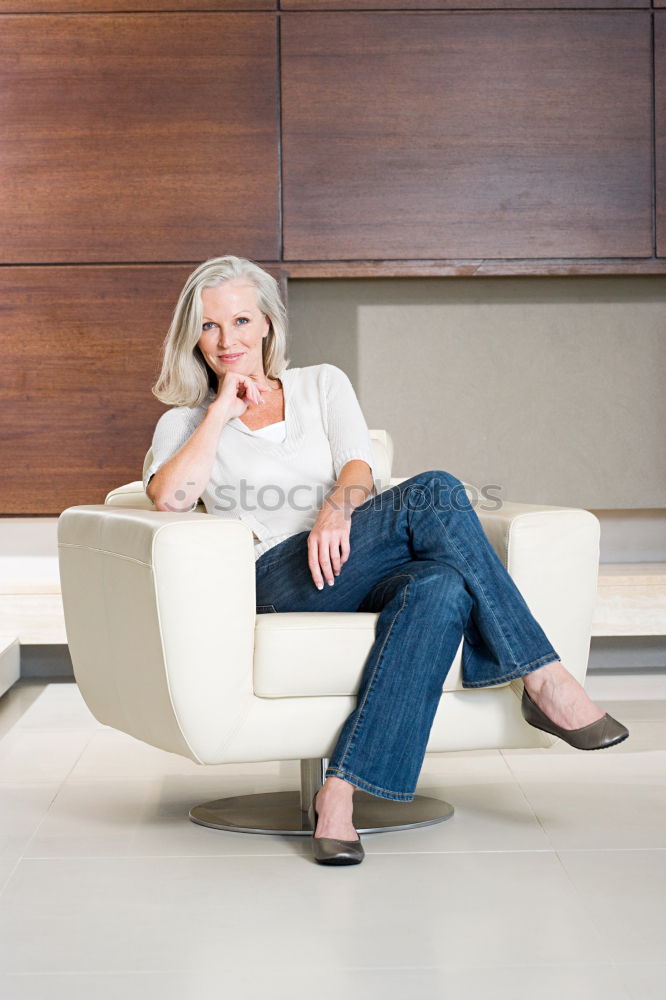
point(318, 654)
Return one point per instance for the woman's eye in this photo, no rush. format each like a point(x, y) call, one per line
point(243, 319)
point(208, 324)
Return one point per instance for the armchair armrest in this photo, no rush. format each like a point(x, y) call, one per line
point(133, 495)
point(552, 555)
point(160, 618)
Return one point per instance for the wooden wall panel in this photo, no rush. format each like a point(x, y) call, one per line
point(660, 126)
point(80, 349)
point(466, 135)
point(118, 6)
point(138, 137)
point(458, 4)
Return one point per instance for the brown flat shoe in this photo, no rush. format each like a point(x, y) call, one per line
point(605, 732)
point(328, 851)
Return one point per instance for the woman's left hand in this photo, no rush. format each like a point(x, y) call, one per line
point(328, 542)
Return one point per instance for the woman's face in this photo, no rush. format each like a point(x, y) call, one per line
point(232, 329)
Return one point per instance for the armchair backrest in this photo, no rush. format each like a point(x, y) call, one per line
point(134, 495)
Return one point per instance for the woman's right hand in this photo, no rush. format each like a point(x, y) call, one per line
point(236, 391)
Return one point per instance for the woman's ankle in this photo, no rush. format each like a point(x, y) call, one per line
point(536, 679)
point(336, 789)
point(561, 697)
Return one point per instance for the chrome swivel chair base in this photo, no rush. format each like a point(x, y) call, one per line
point(286, 812)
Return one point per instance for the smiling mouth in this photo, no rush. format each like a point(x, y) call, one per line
point(229, 357)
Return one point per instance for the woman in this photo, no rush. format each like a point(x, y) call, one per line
point(288, 451)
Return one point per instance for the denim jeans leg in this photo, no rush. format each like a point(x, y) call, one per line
point(460, 589)
point(503, 640)
point(423, 609)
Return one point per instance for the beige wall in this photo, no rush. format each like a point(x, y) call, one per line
point(552, 389)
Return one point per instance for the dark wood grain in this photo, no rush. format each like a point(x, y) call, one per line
point(469, 268)
point(660, 126)
point(138, 137)
point(81, 348)
point(434, 135)
point(119, 6)
point(459, 4)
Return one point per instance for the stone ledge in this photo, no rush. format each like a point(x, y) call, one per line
point(631, 599)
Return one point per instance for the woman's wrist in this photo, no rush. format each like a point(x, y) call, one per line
point(218, 411)
point(347, 498)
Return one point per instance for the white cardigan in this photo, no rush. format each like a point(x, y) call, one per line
point(277, 488)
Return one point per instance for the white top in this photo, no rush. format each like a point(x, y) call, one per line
point(274, 432)
point(277, 487)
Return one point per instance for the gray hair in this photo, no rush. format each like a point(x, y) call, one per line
point(186, 379)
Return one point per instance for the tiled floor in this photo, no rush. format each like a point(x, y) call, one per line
point(549, 881)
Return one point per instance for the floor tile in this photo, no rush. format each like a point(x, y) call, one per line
point(150, 819)
point(95, 816)
point(596, 800)
point(106, 886)
point(179, 914)
point(645, 734)
point(644, 981)
point(646, 765)
point(590, 802)
point(624, 892)
point(7, 866)
point(113, 756)
point(39, 756)
point(466, 767)
point(60, 707)
point(547, 982)
point(595, 817)
point(487, 817)
point(22, 809)
point(15, 702)
point(635, 710)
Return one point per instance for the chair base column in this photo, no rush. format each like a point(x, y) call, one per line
point(286, 812)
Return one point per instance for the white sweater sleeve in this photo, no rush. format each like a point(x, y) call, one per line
point(347, 430)
point(173, 429)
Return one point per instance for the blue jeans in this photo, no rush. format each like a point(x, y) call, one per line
point(421, 559)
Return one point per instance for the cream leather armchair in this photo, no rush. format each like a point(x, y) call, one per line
point(166, 646)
